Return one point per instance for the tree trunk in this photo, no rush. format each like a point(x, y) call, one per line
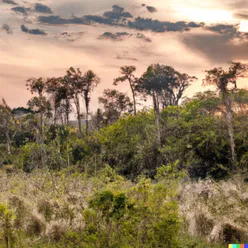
point(229, 118)
point(87, 113)
point(77, 104)
point(67, 110)
point(8, 142)
point(157, 118)
point(134, 99)
point(55, 115)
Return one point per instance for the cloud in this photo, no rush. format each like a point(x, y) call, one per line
point(143, 37)
point(69, 36)
point(20, 9)
point(32, 31)
point(230, 32)
point(119, 17)
point(7, 28)
point(238, 4)
point(115, 17)
point(119, 36)
point(115, 37)
point(151, 9)
point(9, 2)
point(160, 26)
point(57, 20)
point(241, 15)
point(41, 8)
point(117, 13)
point(217, 48)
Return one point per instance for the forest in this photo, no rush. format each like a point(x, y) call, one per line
point(151, 169)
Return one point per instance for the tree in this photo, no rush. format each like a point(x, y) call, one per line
point(166, 87)
point(91, 80)
point(61, 95)
point(115, 104)
point(39, 86)
point(240, 98)
point(165, 84)
point(75, 81)
point(98, 119)
point(127, 75)
point(226, 84)
point(210, 102)
point(7, 121)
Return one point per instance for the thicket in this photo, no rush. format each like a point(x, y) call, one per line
point(179, 138)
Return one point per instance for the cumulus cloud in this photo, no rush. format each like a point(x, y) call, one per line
point(119, 17)
point(32, 31)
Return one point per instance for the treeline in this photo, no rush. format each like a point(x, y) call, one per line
point(206, 134)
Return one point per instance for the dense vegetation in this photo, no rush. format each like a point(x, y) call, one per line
point(113, 177)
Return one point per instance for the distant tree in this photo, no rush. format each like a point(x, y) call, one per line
point(115, 104)
point(39, 104)
point(166, 87)
point(226, 84)
point(90, 81)
point(240, 98)
point(75, 81)
point(210, 102)
point(98, 119)
point(7, 121)
point(127, 75)
point(53, 86)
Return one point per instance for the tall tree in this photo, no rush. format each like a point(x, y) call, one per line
point(226, 83)
point(75, 81)
point(90, 81)
point(115, 104)
point(39, 86)
point(60, 91)
point(127, 75)
point(53, 85)
point(166, 87)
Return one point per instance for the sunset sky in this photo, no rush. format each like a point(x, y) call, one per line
point(59, 34)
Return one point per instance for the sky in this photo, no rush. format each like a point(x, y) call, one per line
point(45, 38)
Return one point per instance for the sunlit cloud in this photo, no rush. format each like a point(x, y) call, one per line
point(243, 26)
